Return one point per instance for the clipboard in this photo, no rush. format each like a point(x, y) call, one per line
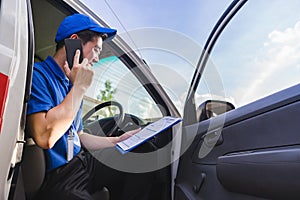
point(147, 133)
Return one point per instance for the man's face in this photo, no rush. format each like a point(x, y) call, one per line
point(92, 49)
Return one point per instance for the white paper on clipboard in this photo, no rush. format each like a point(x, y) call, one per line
point(146, 133)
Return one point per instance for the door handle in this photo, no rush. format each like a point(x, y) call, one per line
point(213, 138)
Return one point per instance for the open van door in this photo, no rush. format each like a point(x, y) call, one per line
point(16, 56)
point(249, 152)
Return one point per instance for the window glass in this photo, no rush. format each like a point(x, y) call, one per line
point(114, 81)
point(257, 55)
point(168, 35)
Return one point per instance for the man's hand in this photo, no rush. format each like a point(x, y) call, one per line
point(93, 142)
point(81, 74)
point(127, 134)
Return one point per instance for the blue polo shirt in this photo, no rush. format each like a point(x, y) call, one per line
point(49, 88)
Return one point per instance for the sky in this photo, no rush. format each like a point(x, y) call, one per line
point(167, 14)
point(265, 35)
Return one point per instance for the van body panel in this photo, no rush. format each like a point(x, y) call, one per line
point(14, 57)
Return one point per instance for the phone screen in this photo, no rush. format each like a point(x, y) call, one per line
point(71, 46)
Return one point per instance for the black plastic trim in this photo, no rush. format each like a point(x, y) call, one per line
point(189, 107)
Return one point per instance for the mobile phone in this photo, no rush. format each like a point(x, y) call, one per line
point(71, 46)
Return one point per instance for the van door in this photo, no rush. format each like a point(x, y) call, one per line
point(15, 60)
point(251, 151)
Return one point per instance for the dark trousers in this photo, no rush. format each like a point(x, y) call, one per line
point(84, 175)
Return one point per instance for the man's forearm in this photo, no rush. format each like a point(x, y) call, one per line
point(48, 127)
point(93, 142)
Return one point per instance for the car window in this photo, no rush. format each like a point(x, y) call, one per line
point(168, 35)
point(114, 81)
point(256, 55)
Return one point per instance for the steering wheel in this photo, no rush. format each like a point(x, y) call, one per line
point(118, 118)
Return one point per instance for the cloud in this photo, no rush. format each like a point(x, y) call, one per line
point(287, 36)
point(280, 58)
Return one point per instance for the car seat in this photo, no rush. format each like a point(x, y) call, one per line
point(33, 168)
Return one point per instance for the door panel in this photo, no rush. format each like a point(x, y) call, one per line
point(251, 152)
point(258, 156)
point(270, 173)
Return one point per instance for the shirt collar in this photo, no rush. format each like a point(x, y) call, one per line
point(54, 67)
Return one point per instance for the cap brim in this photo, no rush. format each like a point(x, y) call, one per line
point(110, 32)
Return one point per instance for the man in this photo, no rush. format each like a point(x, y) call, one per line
point(54, 114)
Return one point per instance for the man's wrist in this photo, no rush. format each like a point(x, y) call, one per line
point(114, 140)
point(80, 88)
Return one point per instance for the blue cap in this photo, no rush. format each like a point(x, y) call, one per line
point(79, 22)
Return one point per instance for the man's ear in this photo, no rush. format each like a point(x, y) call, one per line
point(74, 36)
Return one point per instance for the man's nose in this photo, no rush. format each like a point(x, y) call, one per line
point(96, 58)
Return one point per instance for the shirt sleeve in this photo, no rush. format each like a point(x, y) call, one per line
point(40, 97)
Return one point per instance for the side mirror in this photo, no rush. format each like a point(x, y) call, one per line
point(213, 108)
